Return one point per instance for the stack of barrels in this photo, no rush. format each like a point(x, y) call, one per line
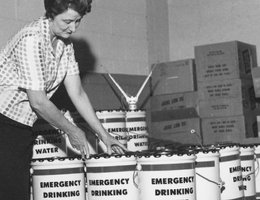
point(213, 172)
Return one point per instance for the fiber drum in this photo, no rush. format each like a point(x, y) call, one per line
point(231, 172)
point(248, 171)
point(137, 130)
point(114, 122)
point(111, 177)
point(166, 176)
point(62, 178)
point(208, 183)
point(257, 172)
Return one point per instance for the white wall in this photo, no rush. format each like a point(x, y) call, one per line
point(127, 36)
point(197, 22)
point(115, 31)
point(15, 13)
point(112, 38)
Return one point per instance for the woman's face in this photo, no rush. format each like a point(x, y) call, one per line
point(66, 23)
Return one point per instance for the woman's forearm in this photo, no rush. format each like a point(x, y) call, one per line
point(85, 109)
point(48, 111)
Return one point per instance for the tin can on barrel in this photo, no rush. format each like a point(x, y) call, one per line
point(58, 178)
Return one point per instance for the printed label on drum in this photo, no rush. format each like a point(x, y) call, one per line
point(49, 146)
point(137, 142)
point(61, 184)
point(118, 185)
point(48, 140)
point(59, 187)
point(236, 169)
point(137, 139)
point(47, 150)
point(109, 182)
point(231, 175)
point(121, 138)
point(137, 128)
point(171, 181)
point(167, 185)
point(117, 129)
point(49, 131)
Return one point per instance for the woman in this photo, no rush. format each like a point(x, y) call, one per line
point(32, 66)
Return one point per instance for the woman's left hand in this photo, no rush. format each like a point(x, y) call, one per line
point(113, 145)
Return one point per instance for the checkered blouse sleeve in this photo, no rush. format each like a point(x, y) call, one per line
point(29, 55)
point(73, 68)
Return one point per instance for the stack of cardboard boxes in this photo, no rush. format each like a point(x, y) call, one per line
point(218, 104)
point(174, 102)
point(227, 107)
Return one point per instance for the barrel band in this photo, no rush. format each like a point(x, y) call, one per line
point(136, 119)
point(170, 167)
point(111, 169)
point(112, 120)
point(248, 157)
point(42, 172)
point(258, 155)
point(229, 158)
point(250, 197)
point(205, 164)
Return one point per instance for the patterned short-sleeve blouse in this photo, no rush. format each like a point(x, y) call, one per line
point(28, 61)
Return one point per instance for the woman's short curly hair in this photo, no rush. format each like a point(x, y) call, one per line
point(56, 7)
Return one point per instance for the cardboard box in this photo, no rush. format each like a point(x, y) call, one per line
point(174, 77)
point(229, 88)
point(226, 97)
point(164, 115)
point(232, 129)
point(226, 60)
point(178, 131)
point(224, 107)
point(179, 126)
point(251, 140)
point(174, 101)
